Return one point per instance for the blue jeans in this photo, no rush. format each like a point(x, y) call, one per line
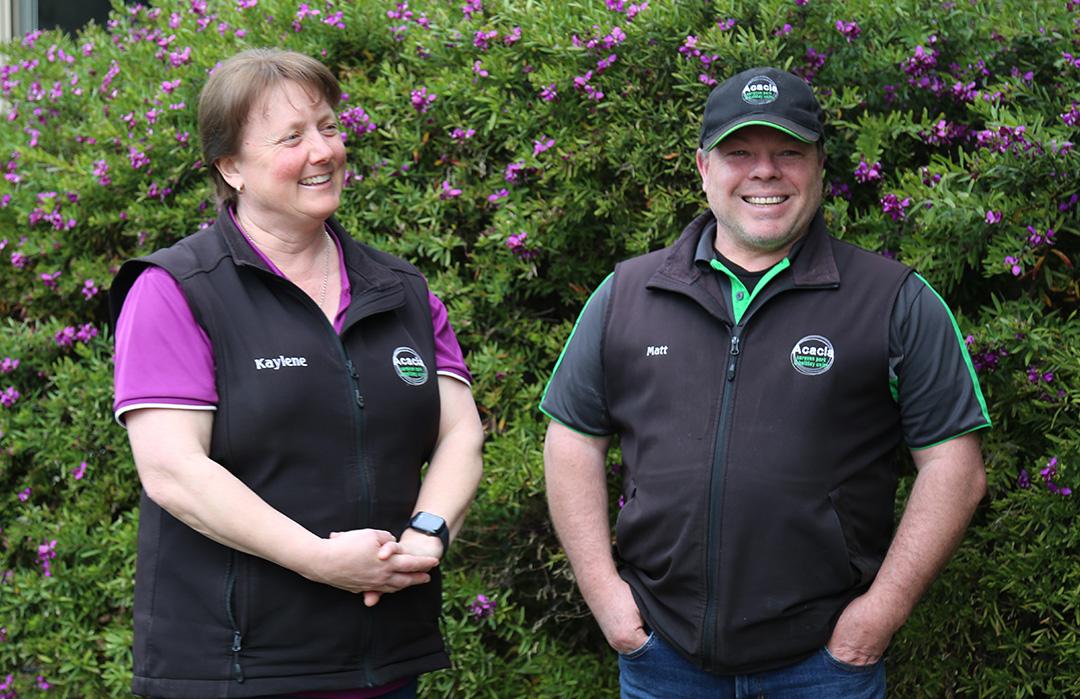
point(657, 671)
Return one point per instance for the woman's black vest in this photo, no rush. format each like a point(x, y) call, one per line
point(330, 430)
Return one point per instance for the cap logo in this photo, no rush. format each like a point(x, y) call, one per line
point(760, 90)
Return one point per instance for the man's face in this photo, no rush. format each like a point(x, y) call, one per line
point(764, 188)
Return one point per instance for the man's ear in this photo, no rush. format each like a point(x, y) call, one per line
point(702, 160)
point(229, 172)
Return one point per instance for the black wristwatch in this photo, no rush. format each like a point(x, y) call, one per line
point(432, 525)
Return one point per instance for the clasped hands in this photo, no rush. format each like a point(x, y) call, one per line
point(373, 561)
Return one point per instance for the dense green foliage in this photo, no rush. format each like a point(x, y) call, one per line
point(515, 151)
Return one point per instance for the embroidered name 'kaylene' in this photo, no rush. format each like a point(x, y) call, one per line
point(280, 361)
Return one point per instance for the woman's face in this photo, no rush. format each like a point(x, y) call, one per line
point(291, 164)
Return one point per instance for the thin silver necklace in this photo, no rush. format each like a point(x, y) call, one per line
point(326, 262)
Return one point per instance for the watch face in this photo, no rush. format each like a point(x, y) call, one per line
point(427, 522)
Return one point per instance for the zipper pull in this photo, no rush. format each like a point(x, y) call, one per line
point(238, 672)
point(734, 353)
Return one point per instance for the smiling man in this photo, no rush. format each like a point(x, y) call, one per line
point(762, 378)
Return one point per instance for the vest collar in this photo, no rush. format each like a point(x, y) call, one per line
point(812, 261)
point(374, 287)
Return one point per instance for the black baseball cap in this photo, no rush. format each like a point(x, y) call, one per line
point(765, 97)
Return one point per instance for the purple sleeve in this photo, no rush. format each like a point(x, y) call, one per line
point(449, 360)
point(163, 357)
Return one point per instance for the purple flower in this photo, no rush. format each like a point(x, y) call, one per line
point(1013, 265)
point(46, 553)
point(449, 192)
point(482, 607)
point(179, 58)
point(514, 172)
point(101, 171)
point(549, 93)
point(8, 365)
point(472, 7)
point(24, 494)
point(516, 244)
point(864, 172)
point(478, 69)
point(895, 207)
point(18, 260)
point(605, 63)
point(513, 37)
point(79, 471)
point(85, 333)
point(481, 39)
point(501, 194)
point(850, 30)
point(920, 63)
point(1071, 117)
point(541, 145)
point(335, 20)
point(993, 217)
point(460, 135)
point(726, 24)
point(1024, 479)
point(65, 337)
point(581, 82)
point(965, 92)
point(357, 121)
point(784, 30)
point(137, 158)
point(421, 100)
point(49, 278)
point(839, 189)
point(1048, 475)
point(89, 290)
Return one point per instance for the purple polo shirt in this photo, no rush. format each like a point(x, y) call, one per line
point(164, 358)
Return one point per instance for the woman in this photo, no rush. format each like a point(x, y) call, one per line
point(282, 385)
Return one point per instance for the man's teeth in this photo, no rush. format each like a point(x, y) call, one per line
point(764, 200)
point(317, 179)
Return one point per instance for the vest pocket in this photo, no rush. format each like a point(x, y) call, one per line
point(236, 670)
point(860, 572)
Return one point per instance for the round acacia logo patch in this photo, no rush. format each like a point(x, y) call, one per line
point(410, 366)
point(760, 90)
point(812, 355)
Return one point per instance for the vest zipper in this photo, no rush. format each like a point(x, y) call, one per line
point(716, 493)
point(365, 487)
point(237, 645)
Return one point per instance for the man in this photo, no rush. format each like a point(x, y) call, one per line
point(760, 376)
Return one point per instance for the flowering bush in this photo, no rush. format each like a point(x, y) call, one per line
point(515, 152)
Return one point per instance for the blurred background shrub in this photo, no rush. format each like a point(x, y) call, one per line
point(515, 151)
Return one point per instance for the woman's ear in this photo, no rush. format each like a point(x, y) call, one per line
point(230, 173)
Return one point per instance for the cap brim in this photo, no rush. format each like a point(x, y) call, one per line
point(779, 123)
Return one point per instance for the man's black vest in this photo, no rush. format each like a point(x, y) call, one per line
point(759, 455)
point(331, 431)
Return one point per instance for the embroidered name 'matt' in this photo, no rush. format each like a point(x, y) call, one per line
point(653, 350)
point(279, 361)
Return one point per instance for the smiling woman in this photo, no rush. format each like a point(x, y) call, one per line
point(284, 522)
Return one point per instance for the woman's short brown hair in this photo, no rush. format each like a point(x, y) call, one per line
point(234, 88)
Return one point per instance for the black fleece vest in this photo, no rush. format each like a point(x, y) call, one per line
point(759, 456)
point(331, 431)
